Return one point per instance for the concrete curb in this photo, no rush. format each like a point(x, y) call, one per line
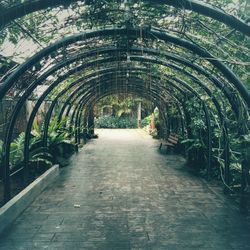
point(12, 209)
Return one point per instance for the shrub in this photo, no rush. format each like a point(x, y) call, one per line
point(115, 122)
point(146, 121)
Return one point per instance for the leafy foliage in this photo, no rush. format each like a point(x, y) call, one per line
point(115, 122)
point(146, 121)
point(42, 157)
point(123, 105)
point(16, 152)
point(42, 28)
point(60, 147)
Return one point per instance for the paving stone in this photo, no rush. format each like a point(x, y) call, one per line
point(120, 193)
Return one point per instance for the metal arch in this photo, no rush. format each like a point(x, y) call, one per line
point(226, 91)
point(222, 122)
point(221, 116)
point(189, 44)
point(78, 110)
point(39, 79)
point(207, 117)
point(12, 123)
point(152, 33)
point(217, 83)
point(206, 90)
point(77, 93)
point(159, 104)
point(245, 99)
point(171, 56)
point(143, 93)
point(37, 106)
point(205, 9)
point(137, 80)
point(143, 59)
point(138, 57)
point(30, 122)
point(48, 74)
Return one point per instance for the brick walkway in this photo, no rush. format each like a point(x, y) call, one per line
point(121, 193)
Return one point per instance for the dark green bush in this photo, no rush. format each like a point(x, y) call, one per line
point(115, 122)
point(146, 121)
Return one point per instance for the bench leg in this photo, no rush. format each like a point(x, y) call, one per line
point(160, 146)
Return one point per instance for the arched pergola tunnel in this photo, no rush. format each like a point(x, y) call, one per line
point(151, 62)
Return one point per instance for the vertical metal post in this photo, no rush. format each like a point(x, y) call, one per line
point(139, 115)
point(245, 178)
point(6, 179)
point(91, 121)
point(85, 127)
point(209, 139)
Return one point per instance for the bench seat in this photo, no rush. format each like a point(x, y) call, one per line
point(171, 141)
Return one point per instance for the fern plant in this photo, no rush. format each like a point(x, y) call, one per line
point(16, 151)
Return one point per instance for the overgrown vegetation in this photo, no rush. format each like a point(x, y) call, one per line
point(60, 147)
point(173, 81)
point(115, 122)
point(120, 111)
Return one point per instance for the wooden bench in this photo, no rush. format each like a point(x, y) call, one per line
point(171, 141)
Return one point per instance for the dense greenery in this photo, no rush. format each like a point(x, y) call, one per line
point(58, 150)
point(123, 111)
point(44, 27)
point(182, 111)
point(124, 105)
point(116, 122)
point(60, 144)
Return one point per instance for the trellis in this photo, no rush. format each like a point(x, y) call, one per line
point(108, 66)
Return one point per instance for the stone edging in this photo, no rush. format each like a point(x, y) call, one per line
point(12, 209)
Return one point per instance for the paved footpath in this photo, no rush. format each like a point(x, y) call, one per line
point(121, 193)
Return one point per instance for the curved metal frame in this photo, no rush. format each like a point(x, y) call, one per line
point(133, 32)
point(33, 87)
point(206, 115)
point(199, 83)
point(205, 9)
point(153, 34)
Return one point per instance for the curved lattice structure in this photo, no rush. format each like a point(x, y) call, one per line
point(187, 54)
